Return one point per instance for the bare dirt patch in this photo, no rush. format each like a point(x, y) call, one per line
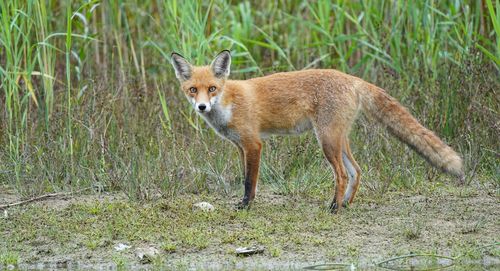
point(296, 231)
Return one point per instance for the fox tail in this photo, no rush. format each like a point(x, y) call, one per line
point(388, 111)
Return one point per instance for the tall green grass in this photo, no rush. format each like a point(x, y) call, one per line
point(87, 95)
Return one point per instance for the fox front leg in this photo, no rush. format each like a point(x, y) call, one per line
point(252, 154)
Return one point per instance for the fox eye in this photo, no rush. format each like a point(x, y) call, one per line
point(212, 89)
point(193, 90)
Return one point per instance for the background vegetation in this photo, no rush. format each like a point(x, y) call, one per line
point(88, 97)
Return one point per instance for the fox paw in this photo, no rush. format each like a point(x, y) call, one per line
point(334, 207)
point(243, 204)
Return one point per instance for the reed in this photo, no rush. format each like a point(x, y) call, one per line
point(87, 95)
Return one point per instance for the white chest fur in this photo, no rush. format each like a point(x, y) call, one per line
point(218, 118)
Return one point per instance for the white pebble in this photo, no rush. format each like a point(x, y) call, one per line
point(204, 206)
point(121, 247)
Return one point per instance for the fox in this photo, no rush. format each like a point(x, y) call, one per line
point(327, 101)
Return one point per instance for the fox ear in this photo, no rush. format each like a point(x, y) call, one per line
point(181, 66)
point(221, 64)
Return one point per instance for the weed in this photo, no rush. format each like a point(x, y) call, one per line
point(412, 231)
point(9, 258)
point(169, 247)
point(275, 251)
point(120, 261)
point(87, 97)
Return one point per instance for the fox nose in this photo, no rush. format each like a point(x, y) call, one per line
point(202, 107)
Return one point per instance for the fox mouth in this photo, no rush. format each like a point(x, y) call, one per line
point(202, 109)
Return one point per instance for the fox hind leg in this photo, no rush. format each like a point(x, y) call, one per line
point(353, 173)
point(331, 143)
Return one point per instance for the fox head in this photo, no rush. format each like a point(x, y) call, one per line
point(202, 85)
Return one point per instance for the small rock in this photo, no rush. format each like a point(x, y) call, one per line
point(62, 263)
point(121, 247)
point(245, 251)
point(146, 254)
point(5, 214)
point(203, 206)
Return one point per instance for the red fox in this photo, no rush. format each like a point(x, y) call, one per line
point(325, 100)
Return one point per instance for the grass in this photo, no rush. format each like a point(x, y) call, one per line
point(88, 98)
point(293, 230)
point(9, 259)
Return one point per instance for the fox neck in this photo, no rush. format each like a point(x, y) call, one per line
point(219, 117)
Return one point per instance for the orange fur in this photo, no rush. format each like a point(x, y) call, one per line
point(327, 101)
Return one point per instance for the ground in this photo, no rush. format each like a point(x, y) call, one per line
point(296, 231)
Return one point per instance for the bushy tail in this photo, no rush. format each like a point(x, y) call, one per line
point(377, 103)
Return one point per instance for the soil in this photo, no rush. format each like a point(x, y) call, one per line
point(80, 232)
